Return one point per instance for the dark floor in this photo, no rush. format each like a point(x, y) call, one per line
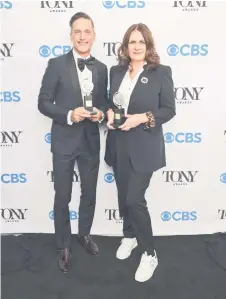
point(185, 271)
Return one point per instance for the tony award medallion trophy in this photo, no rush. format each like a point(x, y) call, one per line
point(87, 88)
point(119, 110)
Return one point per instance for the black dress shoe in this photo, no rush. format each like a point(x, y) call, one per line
point(89, 244)
point(64, 261)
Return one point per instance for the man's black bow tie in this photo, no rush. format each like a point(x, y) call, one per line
point(82, 62)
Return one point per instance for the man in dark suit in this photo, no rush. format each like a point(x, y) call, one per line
point(75, 132)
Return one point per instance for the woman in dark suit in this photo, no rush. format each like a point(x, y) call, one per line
point(137, 148)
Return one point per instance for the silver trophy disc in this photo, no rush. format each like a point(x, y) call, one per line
point(87, 87)
point(119, 100)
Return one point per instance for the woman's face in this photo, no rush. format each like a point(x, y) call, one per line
point(136, 46)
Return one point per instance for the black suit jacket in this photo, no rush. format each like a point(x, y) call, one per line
point(60, 92)
point(146, 147)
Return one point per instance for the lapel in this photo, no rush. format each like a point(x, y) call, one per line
point(118, 79)
point(74, 77)
point(138, 88)
point(94, 71)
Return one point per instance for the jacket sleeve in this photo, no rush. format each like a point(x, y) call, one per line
point(167, 107)
point(103, 100)
point(47, 92)
point(110, 96)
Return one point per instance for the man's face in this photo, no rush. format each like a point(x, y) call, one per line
point(82, 36)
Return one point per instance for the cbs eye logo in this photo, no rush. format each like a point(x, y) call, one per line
point(48, 138)
point(223, 178)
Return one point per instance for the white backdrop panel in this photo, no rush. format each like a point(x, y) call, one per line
point(188, 196)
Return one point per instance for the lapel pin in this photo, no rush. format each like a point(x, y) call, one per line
point(144, 80)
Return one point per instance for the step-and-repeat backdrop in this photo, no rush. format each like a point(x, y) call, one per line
point(188, 196)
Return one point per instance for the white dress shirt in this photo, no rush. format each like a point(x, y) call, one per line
point(127, 86)
point(86, 74)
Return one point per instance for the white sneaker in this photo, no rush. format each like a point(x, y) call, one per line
point(126, 247)
point(147, 266)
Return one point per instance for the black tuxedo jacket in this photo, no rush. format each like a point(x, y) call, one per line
point(60, 92)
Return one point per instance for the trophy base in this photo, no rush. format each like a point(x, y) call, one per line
point(93, 112)
point(116, 126)
point(88, 103)
point(119, 117)
point(90, 109)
